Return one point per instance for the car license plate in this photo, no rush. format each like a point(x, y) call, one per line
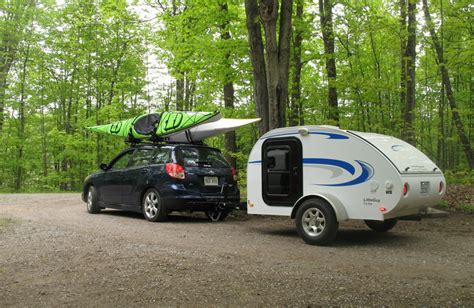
point(424, 187)
point(211, 181)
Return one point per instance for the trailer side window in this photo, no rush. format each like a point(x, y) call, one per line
point(278, 171)
point(282, 171)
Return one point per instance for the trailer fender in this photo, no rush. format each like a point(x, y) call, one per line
point(336, 205)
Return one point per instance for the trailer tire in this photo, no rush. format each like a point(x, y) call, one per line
point(316, 222)
point(381, 226)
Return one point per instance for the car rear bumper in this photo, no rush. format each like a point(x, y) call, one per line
point(201, 202)
point(177, 197)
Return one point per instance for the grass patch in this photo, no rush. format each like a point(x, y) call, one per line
point(468, 208)
point(462, 207)
point(5, 222)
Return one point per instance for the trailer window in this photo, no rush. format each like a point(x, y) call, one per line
point(282, 171)
point(278, 171)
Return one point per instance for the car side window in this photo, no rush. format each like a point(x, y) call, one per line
point(122, 161)
point(161, 155)
point(141, 157)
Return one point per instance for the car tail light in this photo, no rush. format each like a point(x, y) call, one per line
point(406, 188)
point(234, 174)
point(441, 187)
point(175, 171)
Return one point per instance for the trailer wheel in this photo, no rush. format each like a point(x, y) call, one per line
point(316, 222)
point(381, 226)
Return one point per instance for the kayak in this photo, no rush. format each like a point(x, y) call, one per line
point(209, 129)
point(156, 124)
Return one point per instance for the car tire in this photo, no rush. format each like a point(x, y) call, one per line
point(153, 208)
point(216, 215)
point(92, 202)
point(381, 226)
point(316, 222)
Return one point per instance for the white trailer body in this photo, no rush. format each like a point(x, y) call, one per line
point(360, 175)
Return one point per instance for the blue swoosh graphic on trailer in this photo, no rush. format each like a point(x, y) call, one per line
point(329, 135)
point(333, 162)
point(367, 174)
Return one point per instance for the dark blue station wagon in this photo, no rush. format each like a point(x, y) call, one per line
point(157, 179)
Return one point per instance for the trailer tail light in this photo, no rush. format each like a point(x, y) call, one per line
point(175, 171)
point(441, 187)
point(406, 188)
point(234, 174)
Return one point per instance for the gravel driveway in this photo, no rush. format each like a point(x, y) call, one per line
point(53, 253)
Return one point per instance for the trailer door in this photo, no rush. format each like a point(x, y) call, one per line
point(282, 172)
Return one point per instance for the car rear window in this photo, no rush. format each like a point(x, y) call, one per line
point(200, 157)
point(161, 155)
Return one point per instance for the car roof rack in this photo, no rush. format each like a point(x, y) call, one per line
point(133, 142)
point(155, 140)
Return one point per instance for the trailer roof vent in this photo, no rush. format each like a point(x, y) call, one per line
point(303, 131)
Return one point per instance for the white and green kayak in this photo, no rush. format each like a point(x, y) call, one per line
point(178, 126)
point(156, 125)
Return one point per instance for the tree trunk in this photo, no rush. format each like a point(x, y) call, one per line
point(180, 94)
point(408, 132)
point(325, 13)
point(258, 64)
point(403, 44)
point(21, 118)
point(230, 142)
point(284, 42)
point(278, 57)
point(295, 113)
point(448, 88)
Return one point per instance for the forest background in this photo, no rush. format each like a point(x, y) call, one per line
point(402, 68)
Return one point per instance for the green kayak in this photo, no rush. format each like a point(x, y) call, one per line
point(156, 124)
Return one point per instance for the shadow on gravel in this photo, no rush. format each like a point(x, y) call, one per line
point(351, 237)
point(118, 213)
point(287, 232)
point(190, 218)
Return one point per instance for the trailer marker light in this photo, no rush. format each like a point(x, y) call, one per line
point(406, 187)
point(382, 209)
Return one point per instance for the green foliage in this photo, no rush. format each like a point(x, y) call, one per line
point(463, 176)
point(86, 63)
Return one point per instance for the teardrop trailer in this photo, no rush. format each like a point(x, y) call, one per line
point(322, 175)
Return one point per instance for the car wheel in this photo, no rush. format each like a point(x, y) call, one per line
point(215, 215)
point(92, 202)
point(152, 206)
point(316, 222)
point(381, 226)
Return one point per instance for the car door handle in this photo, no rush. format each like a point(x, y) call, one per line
point(144, 171)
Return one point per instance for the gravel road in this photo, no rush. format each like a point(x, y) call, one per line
point(52, 253)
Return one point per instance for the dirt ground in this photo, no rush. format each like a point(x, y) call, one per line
point(53, 253)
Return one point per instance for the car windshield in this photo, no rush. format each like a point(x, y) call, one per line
point(200, 157)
